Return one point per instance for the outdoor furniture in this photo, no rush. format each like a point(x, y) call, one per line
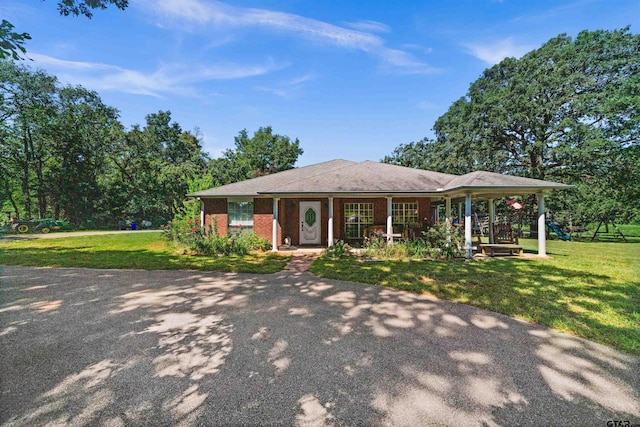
point(506, 241)
point(392, 236)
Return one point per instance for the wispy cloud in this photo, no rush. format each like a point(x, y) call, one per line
point(555, 12)
point(169, 79)
point(496, 51)
point(369, 26)
point(287, 88)
point(187, 13)
point(417, 47)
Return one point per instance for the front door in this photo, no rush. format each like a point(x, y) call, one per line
point(310, 223)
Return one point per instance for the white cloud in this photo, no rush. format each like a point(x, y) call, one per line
point(169, 79)
point(369, 26)
point(418, 48)
point(187, 13)
point(288, 88)
point(494, 52)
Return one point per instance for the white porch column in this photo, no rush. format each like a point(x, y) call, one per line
point(330, 224)
point(447, 208)
point(389, 220)
point(542, 226)
point(201, 213)
point(274, 230)
point(492, 220)
point(468, 246)
point(459, 212)
point(447, 214)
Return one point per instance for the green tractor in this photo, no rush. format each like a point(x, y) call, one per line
point(44, 225)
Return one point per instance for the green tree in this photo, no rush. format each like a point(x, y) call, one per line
point(28, 108)
point(262, 154)
point(85, 131)
point(568, 111)
point(12, 43)
point(556, 112)
point(152, 169)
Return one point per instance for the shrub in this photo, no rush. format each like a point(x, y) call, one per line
point(444, 240)
point(339, 249)
point(436, 243)
point(202, 241)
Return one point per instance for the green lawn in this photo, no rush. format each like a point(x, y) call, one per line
point(147, 251)
point(591, 290)
point(587, 289)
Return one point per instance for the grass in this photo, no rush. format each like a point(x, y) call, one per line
point(591, 290)
point(147, 251)
point(588, 289)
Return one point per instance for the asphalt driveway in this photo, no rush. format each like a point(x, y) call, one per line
point(118, 347)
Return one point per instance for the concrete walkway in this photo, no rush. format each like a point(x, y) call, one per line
point(115, 347)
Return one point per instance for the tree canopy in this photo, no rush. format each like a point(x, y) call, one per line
point(568, 111)
point(64, 154)
point(262, 154)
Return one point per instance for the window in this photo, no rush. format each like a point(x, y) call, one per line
point(404, 214)
point(240, 216)
point(357, 217)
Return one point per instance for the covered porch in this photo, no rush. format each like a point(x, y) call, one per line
point(329, 219)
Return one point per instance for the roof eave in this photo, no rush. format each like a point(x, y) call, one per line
point(521, 189)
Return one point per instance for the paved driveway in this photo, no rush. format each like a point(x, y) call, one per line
point(113, 347)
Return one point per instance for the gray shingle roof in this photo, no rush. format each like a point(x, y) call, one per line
point(345, 177)
point(368, 177)
point(252, 187)
point(486, 180)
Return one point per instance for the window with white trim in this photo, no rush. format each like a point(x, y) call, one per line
point(240, 216)
point(357, 217)
point(404, 214)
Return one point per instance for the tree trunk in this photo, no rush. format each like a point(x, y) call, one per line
point(26, 188)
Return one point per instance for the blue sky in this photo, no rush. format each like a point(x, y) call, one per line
point(350, 79)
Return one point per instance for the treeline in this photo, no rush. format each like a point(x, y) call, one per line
point(567, 112)
point(65, 155)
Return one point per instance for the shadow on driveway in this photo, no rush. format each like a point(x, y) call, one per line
point(117, 347)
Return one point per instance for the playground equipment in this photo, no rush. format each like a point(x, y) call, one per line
point(606, 234)
point(556, 229)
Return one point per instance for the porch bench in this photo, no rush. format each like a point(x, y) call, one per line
point(392, 236)
point(500, 247)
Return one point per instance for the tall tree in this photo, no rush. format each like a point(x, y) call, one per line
point(85, 131)
point(568, 111)
point(152, 168)
point(262, 154)
point(27, 108)
point(558, 111)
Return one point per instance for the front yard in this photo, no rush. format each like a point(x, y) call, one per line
point(591, 290)
point(147, 251)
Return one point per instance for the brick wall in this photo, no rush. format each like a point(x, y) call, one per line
point(263, 218)
point(289, 215)
point(216, 208)
point(379, 210)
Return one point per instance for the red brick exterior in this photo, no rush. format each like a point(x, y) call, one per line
point(379, 211)
point(263, 218)
point(289, 215)
point(216, 208)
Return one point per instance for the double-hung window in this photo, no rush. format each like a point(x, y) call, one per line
point(403, 215)
point(357, 217)
point(240, 214)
